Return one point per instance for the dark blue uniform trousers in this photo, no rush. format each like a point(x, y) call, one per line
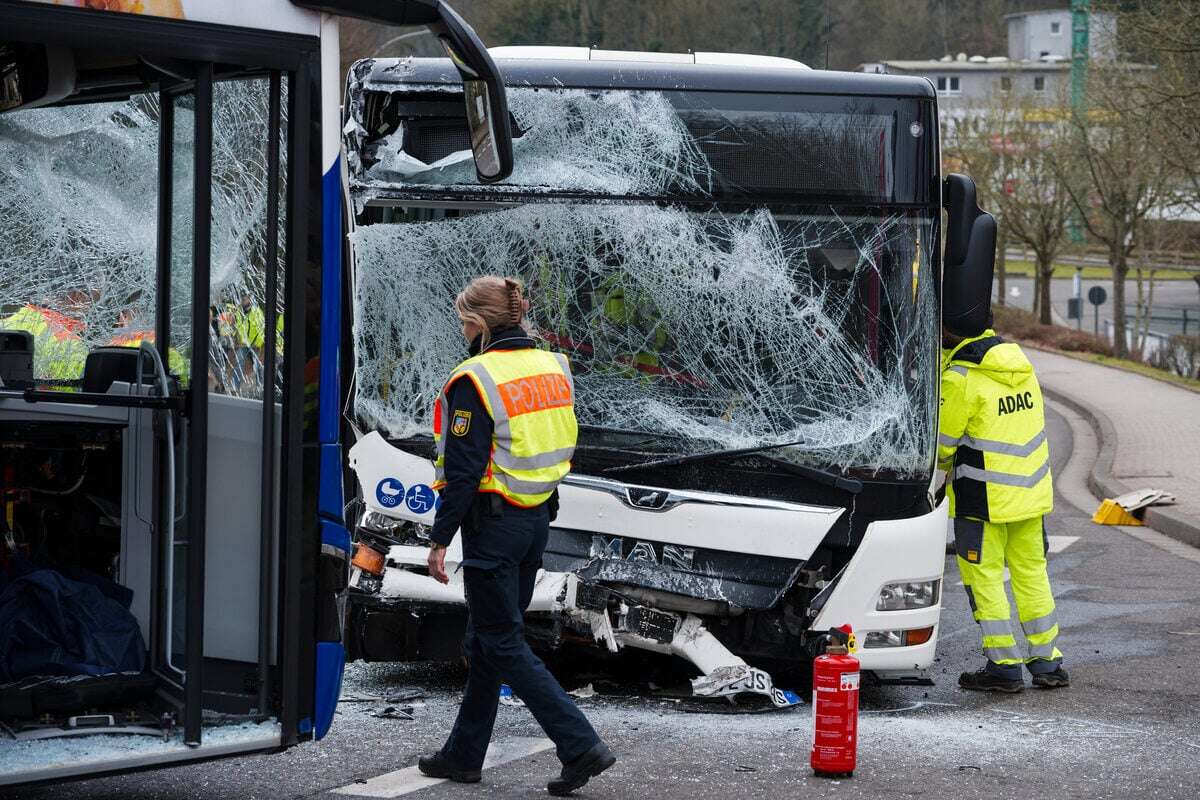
point(500, 563)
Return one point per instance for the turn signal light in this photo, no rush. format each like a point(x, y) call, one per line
point(917, 636)
point(368, 559)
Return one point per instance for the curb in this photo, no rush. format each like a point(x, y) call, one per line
point(1103, 483)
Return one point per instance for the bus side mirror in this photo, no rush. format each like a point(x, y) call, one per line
point(970, 259)
point(483, 90)
point(34, 75)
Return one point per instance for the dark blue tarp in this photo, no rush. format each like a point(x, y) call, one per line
point(53, 625)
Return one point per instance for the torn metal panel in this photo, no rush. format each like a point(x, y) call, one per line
point(707, 330)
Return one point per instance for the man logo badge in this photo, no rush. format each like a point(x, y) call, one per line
point(646, 498)
point(461, 423)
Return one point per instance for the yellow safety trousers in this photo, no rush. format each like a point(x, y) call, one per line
point(984, 549)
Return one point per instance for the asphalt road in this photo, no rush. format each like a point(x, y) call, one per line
point(1170, 299)
point(1129, 726)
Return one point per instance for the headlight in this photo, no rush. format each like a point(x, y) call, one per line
point(901, 638)
point(908, 595)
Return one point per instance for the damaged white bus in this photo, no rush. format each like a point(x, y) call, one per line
point(739, 255)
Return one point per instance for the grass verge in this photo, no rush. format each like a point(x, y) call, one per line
point(1025, 269)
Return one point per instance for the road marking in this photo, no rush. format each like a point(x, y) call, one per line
point(1060, 543)
point(410, 779)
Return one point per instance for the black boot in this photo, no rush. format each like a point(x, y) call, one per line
point(436, 766)
point(1051, 680)
point(989, 679)
point(577, 772)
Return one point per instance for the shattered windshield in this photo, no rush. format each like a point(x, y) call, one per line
point(717, 330)
point(730, 271)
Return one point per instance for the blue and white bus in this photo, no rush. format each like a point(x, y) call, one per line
point(173, 556)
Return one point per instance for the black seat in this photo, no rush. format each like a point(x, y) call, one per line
point(105, 365)
point(16, 359)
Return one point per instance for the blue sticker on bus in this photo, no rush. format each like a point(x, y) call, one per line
point(389, 492)
point(420, 499)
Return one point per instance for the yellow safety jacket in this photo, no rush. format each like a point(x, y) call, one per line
point(250, 326)
point(992, 433)
point(58, 351)
point(176, 363)
point(530, 396)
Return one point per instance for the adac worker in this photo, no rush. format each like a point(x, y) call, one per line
point(505, 430)
point(992, 443)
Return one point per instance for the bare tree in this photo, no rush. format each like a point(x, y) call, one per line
point(1018, 154)
point(1125, 177)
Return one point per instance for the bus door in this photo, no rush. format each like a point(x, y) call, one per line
point(202, 293)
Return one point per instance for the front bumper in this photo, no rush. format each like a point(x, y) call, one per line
point(892, 550)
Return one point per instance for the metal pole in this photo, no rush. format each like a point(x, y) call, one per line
point(164, 526)
point(198, 390)
point(266, 553)
point(1097, 310)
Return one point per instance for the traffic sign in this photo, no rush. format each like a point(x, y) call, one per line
point(1097, 295)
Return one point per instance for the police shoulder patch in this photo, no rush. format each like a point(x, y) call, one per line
point(461, 423)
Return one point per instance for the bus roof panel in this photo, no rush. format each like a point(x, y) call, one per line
point(649, 75)
point(264, 15)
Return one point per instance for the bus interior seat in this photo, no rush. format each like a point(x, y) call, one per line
point(105, 365)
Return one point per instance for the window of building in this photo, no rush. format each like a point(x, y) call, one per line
point(948, 84)
point(1039, 84)
point(1055, 28)
point(1005, 84)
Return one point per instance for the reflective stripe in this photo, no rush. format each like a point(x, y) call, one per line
point(958, 368)
point(1003, 654)
point(1042, 650)
point(1040, 625)
point(565, 363)
point(1004, 448)
point(1003, 478)
point(502, 429)
point(524, 487)
point(995, 627)
point(948, 441)
point(507, 460)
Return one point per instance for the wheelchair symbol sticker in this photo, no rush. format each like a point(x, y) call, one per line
point(389, 492)
point(420, 499)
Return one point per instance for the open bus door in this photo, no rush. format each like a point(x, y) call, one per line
point(186, 166)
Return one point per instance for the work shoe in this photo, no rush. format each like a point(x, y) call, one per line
point(1052, 680)
point(986, 680)
point(436, 766)
point(577, 772)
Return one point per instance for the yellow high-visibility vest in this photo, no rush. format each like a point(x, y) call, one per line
point(992, 433)
point(58, 351)
point(530, 396)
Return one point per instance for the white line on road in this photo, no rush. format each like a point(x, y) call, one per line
point(1060, 543)
point(410, 779)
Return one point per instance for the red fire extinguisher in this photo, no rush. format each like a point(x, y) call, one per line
point(835, 706)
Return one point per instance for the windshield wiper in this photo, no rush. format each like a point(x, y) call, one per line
point(851, 485)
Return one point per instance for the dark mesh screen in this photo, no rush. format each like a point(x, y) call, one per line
point(820, 155)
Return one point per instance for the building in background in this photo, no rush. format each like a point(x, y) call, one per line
point(1037, 67)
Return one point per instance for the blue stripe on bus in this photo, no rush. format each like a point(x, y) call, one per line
point(331, 660)
point(331, 304)
point(330, 497)
point(332, 533)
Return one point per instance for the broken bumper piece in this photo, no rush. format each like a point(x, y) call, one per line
point(619, 624)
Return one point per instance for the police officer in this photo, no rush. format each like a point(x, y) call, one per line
point(992, 443)
point(505, 431)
